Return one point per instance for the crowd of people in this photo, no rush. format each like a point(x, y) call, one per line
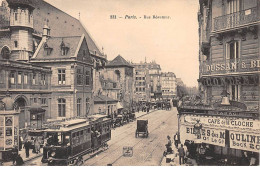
point(33, 144)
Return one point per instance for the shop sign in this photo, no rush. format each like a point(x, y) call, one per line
point(224, 122)
point(207, 135)
point(234, 80)
point(228, 66)
point(245, 141)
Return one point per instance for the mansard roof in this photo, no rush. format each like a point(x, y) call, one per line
point(60, 23)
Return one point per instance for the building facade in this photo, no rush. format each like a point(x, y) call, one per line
point(228, 119)
point(120, 71)
point(42, 66)
point(169, 86)
point(142, 83)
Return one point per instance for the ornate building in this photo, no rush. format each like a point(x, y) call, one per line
point(31, 54)
point(120, 71)
point(227, 122)
point(169, 86)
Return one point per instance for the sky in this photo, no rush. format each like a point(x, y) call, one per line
point(172, 43)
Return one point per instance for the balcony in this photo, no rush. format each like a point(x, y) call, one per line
point(235, 20)
point(230, 66)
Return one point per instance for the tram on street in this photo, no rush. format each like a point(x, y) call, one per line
point(68, 141)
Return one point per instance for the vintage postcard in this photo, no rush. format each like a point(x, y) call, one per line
point(129, 82)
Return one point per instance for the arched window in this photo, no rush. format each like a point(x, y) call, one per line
point(78, 107)
point(62, 107)
point(5, 52)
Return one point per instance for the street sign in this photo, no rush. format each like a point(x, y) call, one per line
point(127, 151)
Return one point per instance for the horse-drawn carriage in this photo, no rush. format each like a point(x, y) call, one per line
point(142, 128)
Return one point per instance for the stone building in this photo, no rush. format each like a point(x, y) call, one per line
point(120, 71)
point(142, 83)
point(71, 80)
point(22, 26)
point(227, 121)
point(169, 86)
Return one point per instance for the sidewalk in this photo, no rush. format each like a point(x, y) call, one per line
point(23, 155)
point(141, 114)
point(175, 159)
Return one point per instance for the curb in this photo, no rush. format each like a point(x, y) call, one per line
point(29, 159)
point(146, 114)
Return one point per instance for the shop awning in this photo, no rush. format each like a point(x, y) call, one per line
point(36, 108)
point(119, 105)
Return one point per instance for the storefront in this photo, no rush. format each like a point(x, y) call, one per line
point(233, 137)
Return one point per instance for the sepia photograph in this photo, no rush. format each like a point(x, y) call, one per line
point(129, 83)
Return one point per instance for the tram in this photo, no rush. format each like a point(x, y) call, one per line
point(68, 141)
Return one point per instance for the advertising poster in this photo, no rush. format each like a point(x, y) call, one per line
point(207, 135)
point(8, 142)
point(2, 143)
point(2, 121)
point(8, 121)
point(1, 131)
point(245, 141)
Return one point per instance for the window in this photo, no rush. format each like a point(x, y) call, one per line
point(19, 78)
point(137, 89)
point(34, 79)
point(44, 101)
point(78, 107)
point(43, 79)
point(5, 52)
point(15, 44)
point(15, 15)
point(35, 100)
point(61, 77)
point(64, 51)
point(232, 50)
point(87, 77)
point(233, 6)
point(79, 77)
point(12, 77)
point(47, 49)
point(61, 107)
point(25, 78)
point(234, 91)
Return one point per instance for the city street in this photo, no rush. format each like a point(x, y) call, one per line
point(146, 151)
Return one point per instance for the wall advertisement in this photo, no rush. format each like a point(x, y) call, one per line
point(223, 122)
point(244, 141)
point(207, 135)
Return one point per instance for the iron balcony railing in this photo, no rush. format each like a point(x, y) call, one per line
point(236, 19)
point(229, 66)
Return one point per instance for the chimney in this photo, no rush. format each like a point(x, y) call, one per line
point(46, 33)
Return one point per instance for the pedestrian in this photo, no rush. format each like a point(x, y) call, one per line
point(148, 108)
point(20, 143)
point(176, 139)
point(181, 154)
point(27, 146)
point(19, 160)
point(169, 145)
point(186, 153)
point(14, 154)
point(37, 145)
